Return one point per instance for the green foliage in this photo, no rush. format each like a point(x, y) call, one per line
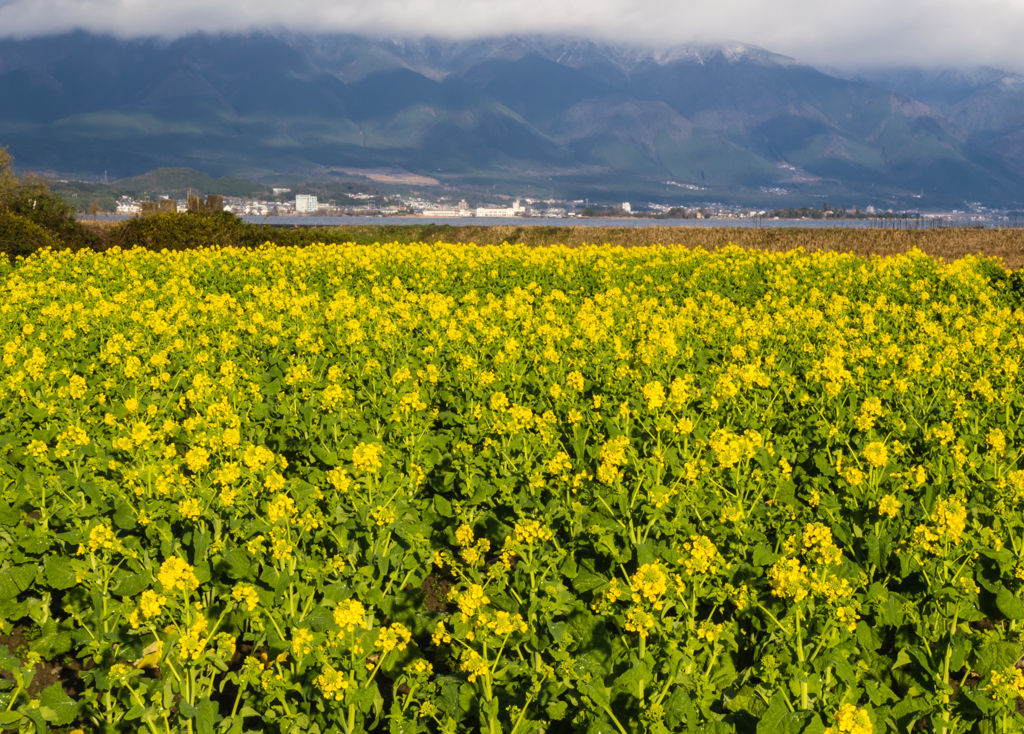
point(32, 200)
point(20, 236)
point(175, 232)
point(177, 182)
point(32, 217)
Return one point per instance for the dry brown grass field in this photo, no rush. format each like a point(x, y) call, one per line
point(948, 243)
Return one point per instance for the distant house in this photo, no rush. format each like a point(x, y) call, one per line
point(126, 205)
point(305, 204)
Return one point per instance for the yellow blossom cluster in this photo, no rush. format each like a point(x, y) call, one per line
point(850, 719)
point(332, 683)
point(246, 594)
point(530, 532)
point(469, 600)
point(1006, 685)
point(613, 456)
point(948, 522)
point(193, 642)
point(889, 506)
point(473, 665)
point(150, 605)
point(102, 538)
point(395, 637)
point(368, 457)
point(350, 615)
point(649, 584)
point(876, 454)
point(177, 575)
point(639, 620)
point(818, 546)
point(302, 643)
point(699, 556)
point(473, 550)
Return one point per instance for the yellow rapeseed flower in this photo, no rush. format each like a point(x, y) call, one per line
point(176, 574)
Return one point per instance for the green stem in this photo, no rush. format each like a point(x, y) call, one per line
point(805, 703)
point(643, 654)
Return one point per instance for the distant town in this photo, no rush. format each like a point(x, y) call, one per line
point(374, 205)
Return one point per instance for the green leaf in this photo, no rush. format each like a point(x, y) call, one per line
point(59, 709)
point(778, 719)
point(597, 692)
point(235, 563)
point(587, 581)
point(124, 515)
point(581, 625)
point(679, 710)
point(135, 712)
point(868, 637)
point(53, 642)
point(763, 556)
point(15, 580)
point(1010, 606)
point(9, 517)
point(325, 455)
point(8, 718)
point(127, 583)
point(630, 680)
point(59, 573)
point(996, 656)
point(443, 507)
point(206, 716)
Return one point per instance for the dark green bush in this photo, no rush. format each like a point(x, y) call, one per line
point(32, 201)
point(20, 236)
point(189, 231)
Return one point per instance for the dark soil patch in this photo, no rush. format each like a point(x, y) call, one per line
point(435, 591)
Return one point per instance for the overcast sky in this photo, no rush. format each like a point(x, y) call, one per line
point(837, 33)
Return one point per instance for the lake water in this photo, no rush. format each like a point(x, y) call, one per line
point(579, 222)
point(596, 222)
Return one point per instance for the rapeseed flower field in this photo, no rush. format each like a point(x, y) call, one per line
point(448, 488)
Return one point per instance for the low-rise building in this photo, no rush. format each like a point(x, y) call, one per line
point(445, 211)
point(516, 210)
point(126, 205)
point(304, 203)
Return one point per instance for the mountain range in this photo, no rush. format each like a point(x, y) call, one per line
point(545, 114)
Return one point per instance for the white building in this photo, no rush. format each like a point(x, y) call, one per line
point(445, 212)
point(128, 206)
point(516, 210)
point(448, 211)
point(305, 204)
point(279, 191)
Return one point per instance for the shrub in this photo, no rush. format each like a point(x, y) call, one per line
point(32, 201)
point(20, 236)
point(173, 232)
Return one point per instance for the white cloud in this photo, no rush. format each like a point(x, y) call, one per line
point(840, 33)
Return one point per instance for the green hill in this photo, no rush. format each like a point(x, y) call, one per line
point(177, 182)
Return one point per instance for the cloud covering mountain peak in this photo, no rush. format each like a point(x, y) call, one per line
point(845, 33)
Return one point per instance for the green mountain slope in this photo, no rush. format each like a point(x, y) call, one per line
point(729, 118)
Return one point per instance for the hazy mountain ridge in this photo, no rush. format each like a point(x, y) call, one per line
point(585, 113)
point(985, 104)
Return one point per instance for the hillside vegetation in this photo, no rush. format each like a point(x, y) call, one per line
point(584, 118)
